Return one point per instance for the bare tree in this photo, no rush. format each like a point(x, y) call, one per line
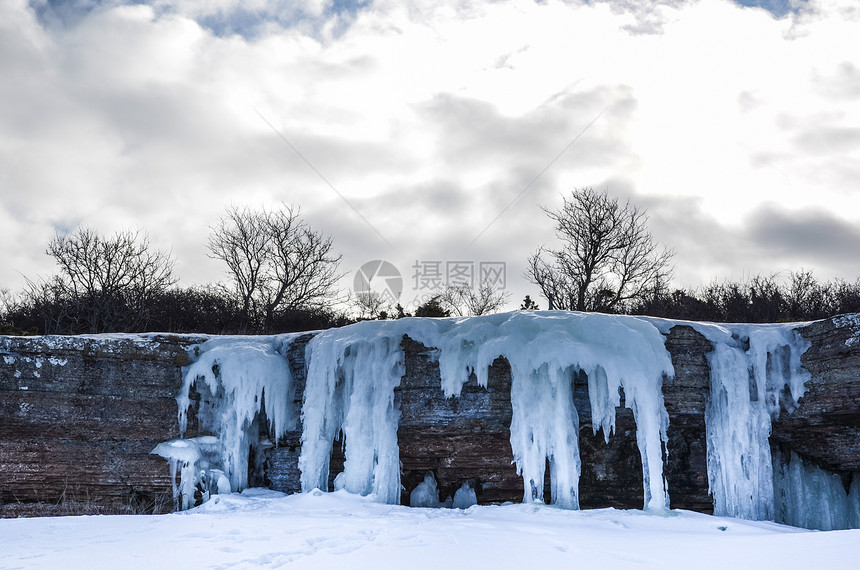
point(275, 261)
point(239, 240)
point(104, 284)
point(369, 304)
point(464, 300)
point(607, 259)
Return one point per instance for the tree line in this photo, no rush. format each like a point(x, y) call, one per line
point(760, 299)
point(282, 277)
point(609, 262)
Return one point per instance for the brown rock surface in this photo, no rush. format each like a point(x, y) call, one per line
point(79, 416)
point(825, 427)
point(468, 438)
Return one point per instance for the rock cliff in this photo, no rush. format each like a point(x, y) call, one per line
point(78, 418)
point(80, 415)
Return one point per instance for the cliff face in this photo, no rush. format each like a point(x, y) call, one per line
point(825, 427)
point(468, 437)
point(462, 438)
point(79, 416)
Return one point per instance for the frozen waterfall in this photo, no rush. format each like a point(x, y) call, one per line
point(245, 384)
point(353, 371)
point(241, 382)
point(752, 368)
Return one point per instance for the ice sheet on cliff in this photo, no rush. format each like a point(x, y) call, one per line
point(352, 373)
point(752, 368)
point(242, 381)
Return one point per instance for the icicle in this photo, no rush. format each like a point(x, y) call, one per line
point(185, 460)
point(810, 497)
point(545, 425)
point(351, 379)
point(746, 383)
point(240, 378)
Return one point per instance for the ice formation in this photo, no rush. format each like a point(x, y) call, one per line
point(809, 497)
point(352, 374)
point(753, 368)
point(465, 497)
point(242, 381)
point(190, 459)
point(425, 494)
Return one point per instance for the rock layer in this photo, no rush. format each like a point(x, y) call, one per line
point(79, 416)
point(825, 427)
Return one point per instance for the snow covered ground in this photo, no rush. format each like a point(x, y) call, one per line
point(266, 529)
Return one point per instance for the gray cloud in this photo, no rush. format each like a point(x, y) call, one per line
point(470, 131)
point(844, 83)
point(705, 249)
point(771, 240)
point(814, 235)
point(59, 13)
point(820, 150)
point(437, 197)
point(826, 139)
point(146, 117)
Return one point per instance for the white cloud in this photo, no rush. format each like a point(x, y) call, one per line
point(430, 118)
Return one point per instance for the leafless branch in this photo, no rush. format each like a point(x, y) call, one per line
point(275, 261)
point(607, 258)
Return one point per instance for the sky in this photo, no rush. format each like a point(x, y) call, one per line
point(431, 134)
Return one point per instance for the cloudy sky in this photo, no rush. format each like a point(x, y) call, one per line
point(434, 131)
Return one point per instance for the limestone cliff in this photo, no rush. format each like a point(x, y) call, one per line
point(80, 415)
